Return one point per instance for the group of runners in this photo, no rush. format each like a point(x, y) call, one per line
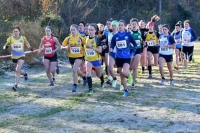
point(116, 44)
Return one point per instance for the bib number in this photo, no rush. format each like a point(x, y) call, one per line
point(151, 43)
point(164, 49)
point(90, 52)
point(121, 44)
point(48, 50)
point(75, 50)
point(17, 46)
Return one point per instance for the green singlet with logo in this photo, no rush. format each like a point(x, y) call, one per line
point(138, 39)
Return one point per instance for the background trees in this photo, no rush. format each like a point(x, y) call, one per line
point(33, 15)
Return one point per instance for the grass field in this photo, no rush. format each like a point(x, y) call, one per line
point(35, 107)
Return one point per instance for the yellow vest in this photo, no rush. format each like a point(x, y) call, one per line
point(76, 43)
point(17, 47)
point(90, 54)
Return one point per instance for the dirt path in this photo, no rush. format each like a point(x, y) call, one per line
point(149, 108)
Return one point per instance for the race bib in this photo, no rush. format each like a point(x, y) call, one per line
point(90, 52)
point(48, 50)
point(75, 50)
point(138, 43)
point(17, 46)
point(151, 43)
point(186, 36)
point(164, 49)
point(121, 44)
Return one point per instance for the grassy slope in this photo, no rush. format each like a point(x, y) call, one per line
point(149, 108)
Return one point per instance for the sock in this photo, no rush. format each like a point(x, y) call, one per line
point(150, 69)
point(163, 78)
point(142, 68)
point(84, 78)
point(75, 84)
point(89, 80)
point(102, 79)
point(106, 69)
point(126, 90)
point(114, 78)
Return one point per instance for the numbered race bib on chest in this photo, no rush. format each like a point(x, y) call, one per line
point(151, 43)
point(17, 46)
point(90, 52)
point(75, 50)
point(121, 44)
point(48, 50)
point(164, 45)
point(186, 35)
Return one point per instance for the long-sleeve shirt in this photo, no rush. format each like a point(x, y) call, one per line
point(122, 41)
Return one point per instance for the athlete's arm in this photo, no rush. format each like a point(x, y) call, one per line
point(172, 41)
point(194, 35)
point(7, 43)
point(28, 45)
point(58, 46)
point(99, 47)
point(113, 43)
point(41, 46)
point(65, 44)
point(6, 46)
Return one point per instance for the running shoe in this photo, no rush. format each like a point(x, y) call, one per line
point(53, 79)
point(126, 93)
point(25, 76)
point(162, 81)
point(186, 70)
point(121, 87)
point(114, 83)
point(74, 88)
point(193, 60)
point(102, 86)
point(150, 76)
point(14, 88)
point(51, 83)
point(130, 79)
point(90, 92)
point(57, 69)
point(171, 83)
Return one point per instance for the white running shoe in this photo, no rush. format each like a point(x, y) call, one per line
point(121, 87)
point(114, 83)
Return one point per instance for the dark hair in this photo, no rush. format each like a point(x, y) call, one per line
point(166, 26)
point(187, 21)
point(134, 20)
point(82, 22)
point(95, 27)
point(110, 20)
point(121, 20)
point(155, 18)
point(178, 25)
point(51, 30)
point(17, 27)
